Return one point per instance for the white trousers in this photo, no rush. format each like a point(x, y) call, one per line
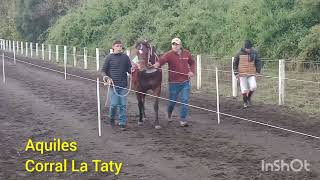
point(248, 83)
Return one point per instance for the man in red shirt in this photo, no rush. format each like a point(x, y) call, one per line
point(181, 69)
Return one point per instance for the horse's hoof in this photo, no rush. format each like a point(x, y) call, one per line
point(140, 123)
point(143, 119)
point(157, 127)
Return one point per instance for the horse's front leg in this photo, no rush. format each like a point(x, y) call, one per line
point(156, 93)
point(141, 107)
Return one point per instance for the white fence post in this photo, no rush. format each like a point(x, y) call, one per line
point(97, 59)
point(37, 50)
point(85, 60)
point(234, 81)
point(13, 46)
point(74, 56)
point(31, 49)
point(49, 47)
point(198, 71)
point(281, 82)
point(57, 53)
point(3, 73)
point(27, 49)
point(42, 51)
point(14, 53)
point(218, 98)
point(21, 45)
point(128, 52)
point(65, 61)
point(9, 45)
point(111, 51)
point(17, 47)
point(98, 92)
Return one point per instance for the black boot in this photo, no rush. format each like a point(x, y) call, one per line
point(245, 101)
point(249, 97)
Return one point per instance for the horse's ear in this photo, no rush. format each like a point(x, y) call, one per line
point(137, 44)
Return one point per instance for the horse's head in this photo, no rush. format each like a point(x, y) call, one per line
point(145, 52)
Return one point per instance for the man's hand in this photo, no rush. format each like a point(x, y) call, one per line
point(134, 67)
point(156, 65)
point(107, 81)
point(190, 75)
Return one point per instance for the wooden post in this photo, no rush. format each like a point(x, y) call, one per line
point(85, 59)
point(37, 50)
point(42, 50)
point(74, 56)
point(57, 53)
point(49, 47)
point(65, 61)
point(31, 53)
point(218, 97)
point(198, 71)
point(281, 82)
point(21, 45)
point(27, 49)
point(234, 81)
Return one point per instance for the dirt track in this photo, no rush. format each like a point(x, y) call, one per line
point(40, 104)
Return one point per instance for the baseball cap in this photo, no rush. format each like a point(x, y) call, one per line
point(176, 40)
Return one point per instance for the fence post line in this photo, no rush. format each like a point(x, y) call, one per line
point(3, 73)
point(65, 61)
point(49, 47)
point(98, 104)
point(57, 53)
point(37, 49)
point(85, 60)
point(234, 81)
point(281, 82)
point(27, 49)
point(98, 91)
point(74, 56)
point(9, 45)
point(17, 47)
point(97, 59)
point(218, 98)
point(42, 50)
point(14, 53)
point(198, 71)
point(21, 45)
point(31, 49)
point(13, 46)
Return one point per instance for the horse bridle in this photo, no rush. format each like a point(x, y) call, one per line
point(150, 52)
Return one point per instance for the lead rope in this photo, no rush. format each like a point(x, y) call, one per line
point(107, 81)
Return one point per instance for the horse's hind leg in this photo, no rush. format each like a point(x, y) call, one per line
point(157, 92)
point(144, 112)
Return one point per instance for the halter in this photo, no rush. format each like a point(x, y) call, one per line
point(150, 52)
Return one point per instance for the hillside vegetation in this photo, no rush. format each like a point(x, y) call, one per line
point(279, 28)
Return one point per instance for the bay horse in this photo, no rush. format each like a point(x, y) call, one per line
point(146, 78)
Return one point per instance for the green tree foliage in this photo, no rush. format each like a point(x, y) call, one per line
point(7, 26)
point(279, 28)
point(33, 17)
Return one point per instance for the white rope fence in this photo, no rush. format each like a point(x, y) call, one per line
point(190, 105)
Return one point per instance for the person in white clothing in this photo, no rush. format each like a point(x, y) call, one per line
point(246, 65)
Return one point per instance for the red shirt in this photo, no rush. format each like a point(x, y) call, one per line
point(182, 64)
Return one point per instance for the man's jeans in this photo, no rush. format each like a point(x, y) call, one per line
point(116, 101)
point(184, 90)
